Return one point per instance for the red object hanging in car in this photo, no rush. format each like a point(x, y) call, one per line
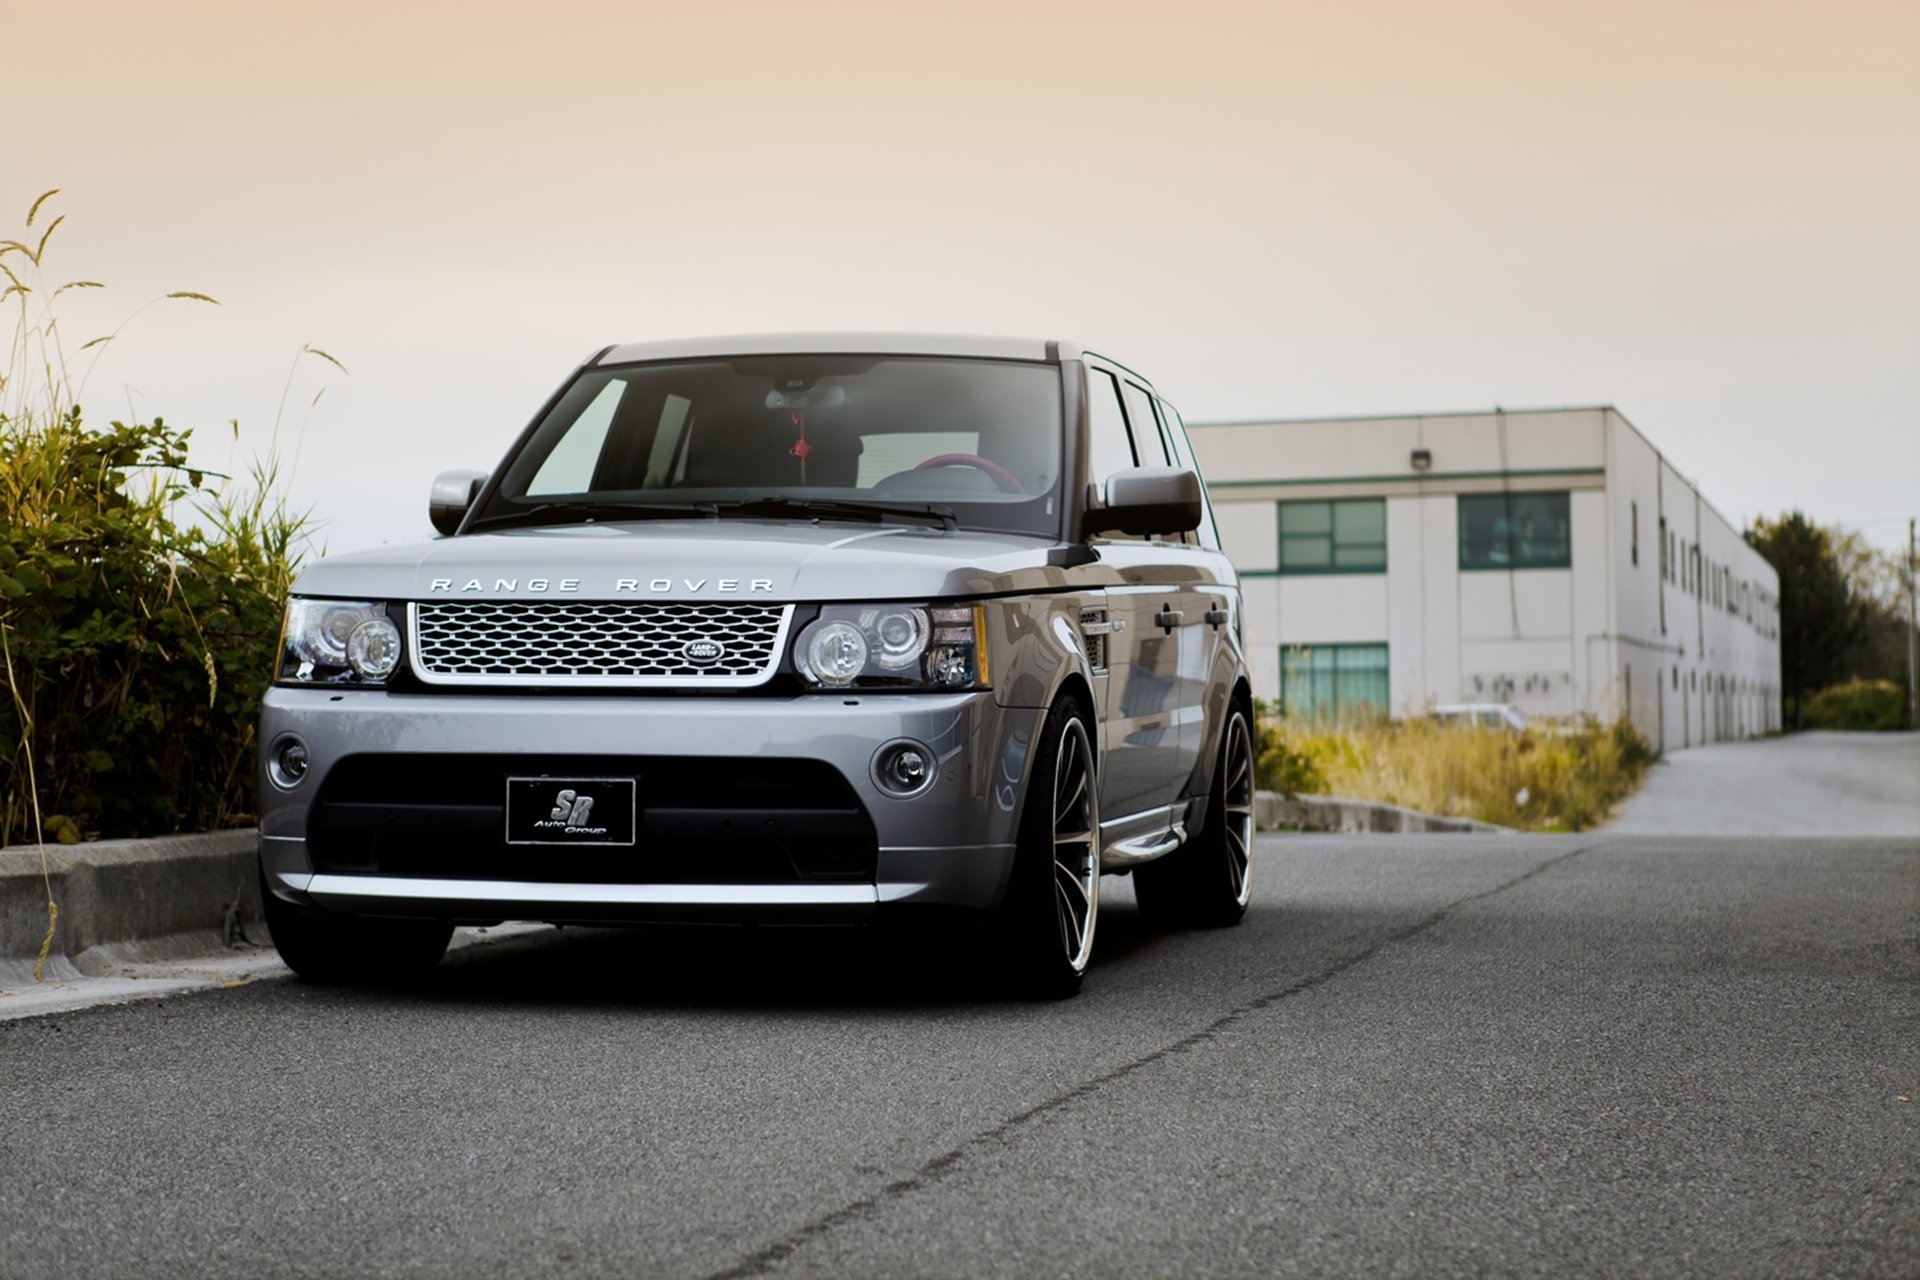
point(801, 448)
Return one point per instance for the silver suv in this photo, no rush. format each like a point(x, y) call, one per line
point(798, 628)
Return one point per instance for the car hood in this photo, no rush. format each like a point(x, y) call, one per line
point(774, 561)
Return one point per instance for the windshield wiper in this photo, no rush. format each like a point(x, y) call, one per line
point(841, 509)
point(600, 510)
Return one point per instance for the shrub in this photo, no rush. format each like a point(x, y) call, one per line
point(139, 610)
point(1877, 705)
point(1277, 765)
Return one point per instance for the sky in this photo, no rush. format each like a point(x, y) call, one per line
point(1703, 212)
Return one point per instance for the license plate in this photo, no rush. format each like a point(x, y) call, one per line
point(576, 811)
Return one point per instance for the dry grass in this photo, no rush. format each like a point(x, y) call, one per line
point(1539, 780)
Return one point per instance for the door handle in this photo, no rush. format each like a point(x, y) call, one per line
point(1217, 618)
point(1167, 619)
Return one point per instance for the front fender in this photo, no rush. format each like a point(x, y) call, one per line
point(1036, 647)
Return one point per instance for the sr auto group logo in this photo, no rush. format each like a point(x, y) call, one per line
point(570, 815)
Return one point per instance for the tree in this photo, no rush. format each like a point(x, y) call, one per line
point(1820, 619)
point(1877, 580)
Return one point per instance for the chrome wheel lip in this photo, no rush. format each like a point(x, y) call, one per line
point(1236, 793)
point(1076, 858)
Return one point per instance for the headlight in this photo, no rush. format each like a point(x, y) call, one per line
point(350, 642)
point(897, 646)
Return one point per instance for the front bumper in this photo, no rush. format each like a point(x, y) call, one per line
point(949, 846)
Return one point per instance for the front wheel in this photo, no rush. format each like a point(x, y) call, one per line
point(1052, 903)
point(351, 949)
point(1208, 881)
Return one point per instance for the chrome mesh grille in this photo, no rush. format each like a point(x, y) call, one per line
point(597, 642)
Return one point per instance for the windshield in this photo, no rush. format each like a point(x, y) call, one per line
point(836, 434)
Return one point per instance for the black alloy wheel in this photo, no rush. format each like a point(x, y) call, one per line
point(1208, 881)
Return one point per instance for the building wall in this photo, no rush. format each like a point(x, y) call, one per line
point(1586, 639)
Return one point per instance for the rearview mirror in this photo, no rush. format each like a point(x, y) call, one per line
point(1149, 500)
point(453, 493)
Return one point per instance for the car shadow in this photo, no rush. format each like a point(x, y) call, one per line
point(751, 967)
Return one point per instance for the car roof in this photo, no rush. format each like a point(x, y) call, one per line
point(920, 344)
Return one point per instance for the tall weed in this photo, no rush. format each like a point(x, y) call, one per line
point(1544, 779)
point(140, 604)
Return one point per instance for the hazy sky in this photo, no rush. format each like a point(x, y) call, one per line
point(1705, 213)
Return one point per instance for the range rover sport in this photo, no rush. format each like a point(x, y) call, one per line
point(800, 628)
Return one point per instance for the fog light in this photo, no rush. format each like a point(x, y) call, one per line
point(903, 768)
point(290, 762)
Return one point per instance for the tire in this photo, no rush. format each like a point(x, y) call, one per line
point(1208, 881)
point(1045, 925)
point(352, 949)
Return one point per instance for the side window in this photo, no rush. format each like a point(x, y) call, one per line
point(569, 468)
point(1110, 449)
point(1149, 445)
point(1183, 457)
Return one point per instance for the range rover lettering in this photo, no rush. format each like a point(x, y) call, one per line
point(791, 629)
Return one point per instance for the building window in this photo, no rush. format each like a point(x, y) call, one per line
point(1634, 509)
point(1515, 531)
point(1334, 537)
point(1333, 681)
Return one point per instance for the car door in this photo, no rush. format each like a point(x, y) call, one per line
point(1140, 735)
point(1210, 583)
point(1182, 607)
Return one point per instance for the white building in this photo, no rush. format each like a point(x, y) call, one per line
point(1552, 559)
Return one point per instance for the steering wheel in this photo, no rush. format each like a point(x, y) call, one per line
point(1007, 481)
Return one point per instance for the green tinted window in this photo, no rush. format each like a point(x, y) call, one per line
point(1348, 536)
point(1515, 531)
point(1334, 681)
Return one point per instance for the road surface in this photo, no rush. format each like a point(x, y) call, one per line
point(1419, 1055)
point(1809, 784)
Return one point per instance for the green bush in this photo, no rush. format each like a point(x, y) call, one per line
point(137, 645)
point(1277, 766)
point(1877, 705)
point(139, 608)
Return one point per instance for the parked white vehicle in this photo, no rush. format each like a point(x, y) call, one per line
point(1483, 715)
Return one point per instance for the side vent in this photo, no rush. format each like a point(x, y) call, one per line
point(1095, 629)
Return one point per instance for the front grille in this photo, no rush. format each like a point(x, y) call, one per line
point(700, 821)
point(582, 642)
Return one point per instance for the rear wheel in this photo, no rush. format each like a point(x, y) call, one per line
point(1046, 923)
point(322, 948)
point(1208, 881)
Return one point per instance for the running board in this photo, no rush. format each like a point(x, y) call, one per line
point(1127, 853)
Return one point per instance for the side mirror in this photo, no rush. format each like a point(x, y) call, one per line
point(453, 493)
point(1149, 500)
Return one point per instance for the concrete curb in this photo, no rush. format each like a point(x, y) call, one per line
point(168, 894)
point(1338, 813)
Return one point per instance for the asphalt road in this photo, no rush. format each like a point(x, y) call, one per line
point(1418, 1056)
point(1865, 784)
